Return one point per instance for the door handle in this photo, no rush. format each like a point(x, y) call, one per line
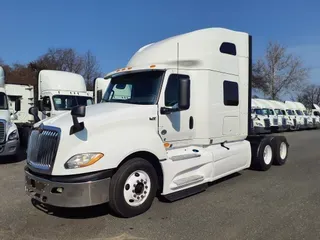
point(191, 122)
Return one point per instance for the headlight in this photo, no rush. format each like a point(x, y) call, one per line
point(83, 160)
point(13, 135)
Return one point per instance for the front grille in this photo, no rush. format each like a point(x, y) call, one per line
point(2, 131)
point(284, 121)
point(275, 121)
point(305, 122)
point(295, 122)
point(42, 148)
point(267, 122)
point(314, 121)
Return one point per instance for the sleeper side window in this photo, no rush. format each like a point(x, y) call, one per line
point(230, 93)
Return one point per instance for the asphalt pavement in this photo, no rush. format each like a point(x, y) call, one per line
point(282, 203)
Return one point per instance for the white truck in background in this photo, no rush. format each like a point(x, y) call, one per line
point(26, 95)
point(308, 119)
point(299, 119)
point(260, 119)
point(280, 110)
point(268, 108)
point(9, 134)
point(60, 91)
point(315, 112)
point(186, 122)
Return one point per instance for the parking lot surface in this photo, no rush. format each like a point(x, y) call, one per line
point(282, 203)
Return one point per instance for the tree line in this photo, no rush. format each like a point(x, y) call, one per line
point(64, 59)
point(276, 74)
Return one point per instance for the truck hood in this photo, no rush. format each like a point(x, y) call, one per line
point(102, 114)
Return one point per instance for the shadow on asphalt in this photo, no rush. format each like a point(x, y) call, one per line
point(73, 213)
point(21, 156)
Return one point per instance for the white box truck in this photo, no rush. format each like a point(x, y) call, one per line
point(185, 122)
point(9, 134)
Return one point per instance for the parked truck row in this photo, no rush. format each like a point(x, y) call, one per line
point(276, 116)
point(58, 92)
point(177, 117)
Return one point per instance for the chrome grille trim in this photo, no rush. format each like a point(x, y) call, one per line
point(284, 121)
point(275, 121)
point(3, 135)
point(42, 148)
point(267, 122)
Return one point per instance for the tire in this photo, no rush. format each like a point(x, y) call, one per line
point(127, 198)
point(281, 148)
point(260, 161)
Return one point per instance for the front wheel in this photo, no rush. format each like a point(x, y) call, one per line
point(133, 188)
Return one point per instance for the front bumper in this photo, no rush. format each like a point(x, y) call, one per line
point(10, 148)
point(82, 192)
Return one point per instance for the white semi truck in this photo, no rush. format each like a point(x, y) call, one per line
point(260, 119)
point(280, 110)
point(186, 122)
point(269, 111)
point(315, 112)
point(9, 135)
point(60, 91)
point(299, 119)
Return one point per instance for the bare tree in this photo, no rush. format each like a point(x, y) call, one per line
point(280, 72)
point(59, 59)
point(91, 68)
point(67, 59)
point(309, 95)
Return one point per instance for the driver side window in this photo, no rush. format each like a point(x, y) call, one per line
point(46, 103)
point(172, 90)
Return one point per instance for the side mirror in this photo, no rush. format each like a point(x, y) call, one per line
point(40, 104)
point(34, 112)
point(18, 105)
point(13, 117)
point(184, 94)
point(78, 111)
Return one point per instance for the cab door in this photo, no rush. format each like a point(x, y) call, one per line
point(176, 126)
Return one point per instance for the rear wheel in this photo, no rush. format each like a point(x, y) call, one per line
point(281, 147)
point(133, 188)
point(263, 155)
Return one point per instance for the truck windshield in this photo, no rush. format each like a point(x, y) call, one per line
point(135, 88)
point(299, 112)
point(290, 112)
point(278, 112)
point(3, 101)
point(266, 111)
point(67, 102)
point(258, 111)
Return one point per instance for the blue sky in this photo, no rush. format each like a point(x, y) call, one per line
point(114, 30)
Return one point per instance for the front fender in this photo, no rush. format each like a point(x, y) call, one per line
point(116, 144)
point(11, 127)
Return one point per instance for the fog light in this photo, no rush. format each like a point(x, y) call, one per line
point(57, 190)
